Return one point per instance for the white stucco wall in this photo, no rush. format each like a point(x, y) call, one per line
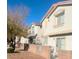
point(24, 40)
point(67, 27)
point(17, 39)
point(36, 29)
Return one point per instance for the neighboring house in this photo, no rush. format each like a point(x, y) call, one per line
point(23, 41)
point(57, 29)
point(33, 30)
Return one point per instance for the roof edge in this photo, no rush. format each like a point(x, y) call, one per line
point(54, 6)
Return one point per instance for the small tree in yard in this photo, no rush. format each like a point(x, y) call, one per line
point(15, 20)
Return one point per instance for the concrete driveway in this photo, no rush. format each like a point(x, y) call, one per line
point(23, 55)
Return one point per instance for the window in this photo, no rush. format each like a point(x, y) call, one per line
point(60, 43)
point(59, 18)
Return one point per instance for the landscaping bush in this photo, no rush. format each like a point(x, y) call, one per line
point(10, 50)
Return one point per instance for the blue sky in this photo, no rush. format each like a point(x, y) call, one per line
point(37, 8)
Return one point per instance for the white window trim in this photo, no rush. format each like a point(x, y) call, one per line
point(56, 15)
point(60, 46)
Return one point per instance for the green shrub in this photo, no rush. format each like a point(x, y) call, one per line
point(10, 50)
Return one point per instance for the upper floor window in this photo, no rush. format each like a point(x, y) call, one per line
point(60, 18)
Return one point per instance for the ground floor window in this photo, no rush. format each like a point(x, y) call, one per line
point(60, 43)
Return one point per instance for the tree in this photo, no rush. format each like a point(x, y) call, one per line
point(15, 22)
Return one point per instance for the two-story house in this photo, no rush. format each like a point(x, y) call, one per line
point(57, 29)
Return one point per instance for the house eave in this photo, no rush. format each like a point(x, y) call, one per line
point(62, 34)
point(54, 7)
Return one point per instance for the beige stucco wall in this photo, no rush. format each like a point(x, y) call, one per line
point(44, 26)
point(68, 42)
point(49, 27)
point(52, 42)
point(67, 27)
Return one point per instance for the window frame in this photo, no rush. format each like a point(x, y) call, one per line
point(59, 44)
point(59, 22)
